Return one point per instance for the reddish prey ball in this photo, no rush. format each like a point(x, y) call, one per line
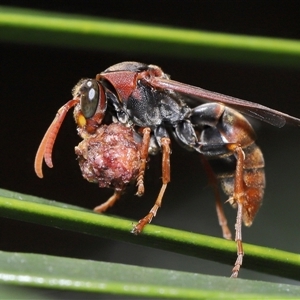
point(110, 157)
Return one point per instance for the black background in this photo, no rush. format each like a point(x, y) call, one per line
point(36, 81)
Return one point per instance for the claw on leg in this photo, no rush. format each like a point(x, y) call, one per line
point(239, 261)
point(152, 213)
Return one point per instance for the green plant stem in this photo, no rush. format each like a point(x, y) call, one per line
point(41, 211)
point(64, 30)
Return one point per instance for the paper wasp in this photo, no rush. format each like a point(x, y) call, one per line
point(143, 98)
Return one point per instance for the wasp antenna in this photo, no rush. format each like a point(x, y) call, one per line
point(46, 146)
point(39, 157)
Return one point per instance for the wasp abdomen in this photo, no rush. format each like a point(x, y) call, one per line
point(224, 131)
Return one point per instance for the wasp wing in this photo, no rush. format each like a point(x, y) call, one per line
point(193, 93)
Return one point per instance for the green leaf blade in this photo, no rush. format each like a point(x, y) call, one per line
point(90, 276)
point(270, 261)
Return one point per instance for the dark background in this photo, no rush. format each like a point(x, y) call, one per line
point(36, 81)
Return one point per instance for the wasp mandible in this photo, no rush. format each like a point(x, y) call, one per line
point(143, 99)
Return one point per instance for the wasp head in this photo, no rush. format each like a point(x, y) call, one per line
point(91, 107)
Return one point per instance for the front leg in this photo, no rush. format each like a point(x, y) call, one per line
point(166, 151)
point(144, 157)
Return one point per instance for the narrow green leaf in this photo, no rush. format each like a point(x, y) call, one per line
point(8, 292)
point(65, 30)
point(91, 276)
point(41, 211)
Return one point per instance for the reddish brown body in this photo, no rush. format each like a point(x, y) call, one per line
point(142, 100)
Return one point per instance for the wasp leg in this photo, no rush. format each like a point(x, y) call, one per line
point(238, 239)
point(144, 156)
point(213, 182)
point(239, 199)
point(237, 196)
point(110, 202)
point(166, 151)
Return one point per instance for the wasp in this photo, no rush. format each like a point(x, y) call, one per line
point(155, 108)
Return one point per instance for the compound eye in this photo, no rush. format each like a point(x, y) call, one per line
point(89, 97)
